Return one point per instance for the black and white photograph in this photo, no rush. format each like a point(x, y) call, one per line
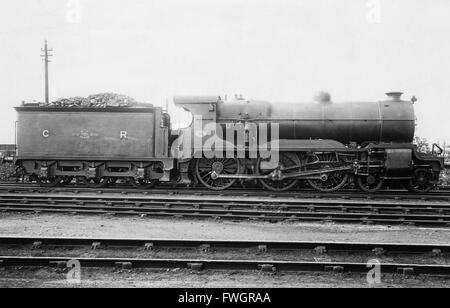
point(219, 152)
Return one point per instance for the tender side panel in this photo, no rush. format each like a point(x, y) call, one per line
point(90, 135)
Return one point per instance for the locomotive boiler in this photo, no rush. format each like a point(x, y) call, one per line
point(391, 120)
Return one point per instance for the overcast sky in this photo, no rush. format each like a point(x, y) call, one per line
point(281, 50)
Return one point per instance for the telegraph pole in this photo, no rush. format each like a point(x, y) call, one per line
point(46, 56)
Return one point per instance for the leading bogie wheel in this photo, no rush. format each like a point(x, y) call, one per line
point(369, 183)
point(420, 181)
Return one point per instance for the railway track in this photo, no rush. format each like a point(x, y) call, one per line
point(235, 208)
point(203, 264)
point(438, 195)
point(211, 245)
point(221, 264)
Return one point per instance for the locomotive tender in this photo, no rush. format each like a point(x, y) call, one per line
point(323, 143)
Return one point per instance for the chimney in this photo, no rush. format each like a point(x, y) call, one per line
point(395, 96)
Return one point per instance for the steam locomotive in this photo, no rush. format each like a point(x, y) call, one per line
point(325, 144)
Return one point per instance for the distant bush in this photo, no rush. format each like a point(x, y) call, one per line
point(6, 171)
point(445, 177)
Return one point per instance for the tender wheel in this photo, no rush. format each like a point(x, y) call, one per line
point(371, 183)
point(421, 181)
point(208, 169)
point(96, 183)
point(287, 160)
point(66, 180)
point(49, 182)
point(144, 184)
point(112, 181)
